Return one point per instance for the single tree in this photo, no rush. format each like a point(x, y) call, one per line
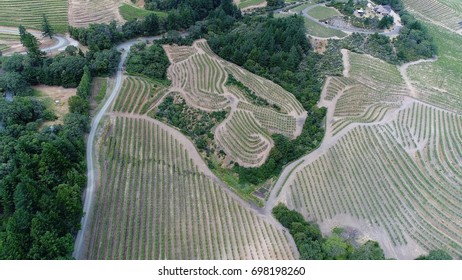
point(47, 30)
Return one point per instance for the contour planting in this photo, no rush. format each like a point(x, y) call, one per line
point(30, 13)
point(157, 200)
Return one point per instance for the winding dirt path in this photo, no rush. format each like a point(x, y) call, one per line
point(403, 70)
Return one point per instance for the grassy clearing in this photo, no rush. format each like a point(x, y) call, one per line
point(317, 30)
point(56, 98)
point(129, 12)
point(248, 3)
point(301, 7)
point(323, 12)
point(100, 89)
point(29, 13)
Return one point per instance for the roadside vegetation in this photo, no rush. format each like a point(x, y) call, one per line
point(312, 245)
point(43, 169)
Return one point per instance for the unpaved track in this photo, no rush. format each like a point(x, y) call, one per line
point(278, 193)
point(329, 139)
point(80, 244)
point(61, 41)
point(391, 33)
point(79, 251)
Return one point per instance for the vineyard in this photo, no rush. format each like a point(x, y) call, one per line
point(404, 176)
point(245, 141)
point(82, 13)
point(371, 89)
point(202, 78)
point(438, 82)
point(157, 200)
point(29, 13)
point(138, 96)
point(445, 12)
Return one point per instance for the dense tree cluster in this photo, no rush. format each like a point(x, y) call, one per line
point(181, 15)
point(435, 255)
point(377, 45)
point(277, 49)
point(184, 13)
point(42, 170)
point(249, 94)
point(42, 174)
point(64, 69)
point(414, 41)
point(194, 123)
point(313, 246)
point(150, 61)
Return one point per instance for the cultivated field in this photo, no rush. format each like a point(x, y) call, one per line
point(84, 12)
point(370, 90)
point(157, 200)
point(29, 13)
point(447, 13)
point(390, 165)
point(439, 82)
point(404, 176)
point(202, 78)
point(138, 96)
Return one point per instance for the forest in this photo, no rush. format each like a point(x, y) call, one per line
point(277, 49)
point(43, 168)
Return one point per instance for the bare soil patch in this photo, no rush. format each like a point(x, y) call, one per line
point(319, 45)
point(365, 231)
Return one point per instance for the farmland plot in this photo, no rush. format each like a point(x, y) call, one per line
point(438, 82)
point(157, 200)
point(404, 177)
point(138, 96)
point(29, 13)
point(201, 77)
point(84, 12)
point(448, 13)
point(371, 89)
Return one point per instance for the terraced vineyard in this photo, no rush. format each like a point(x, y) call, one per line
point(445, 12)
point(201, 77)
point(371, 89)
point(245, 141)
point(138, 96)
point(84, 12)
point(272, 121)
point(29, 13)
point(438, 82)
point(157, 200)
point(404, 176)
